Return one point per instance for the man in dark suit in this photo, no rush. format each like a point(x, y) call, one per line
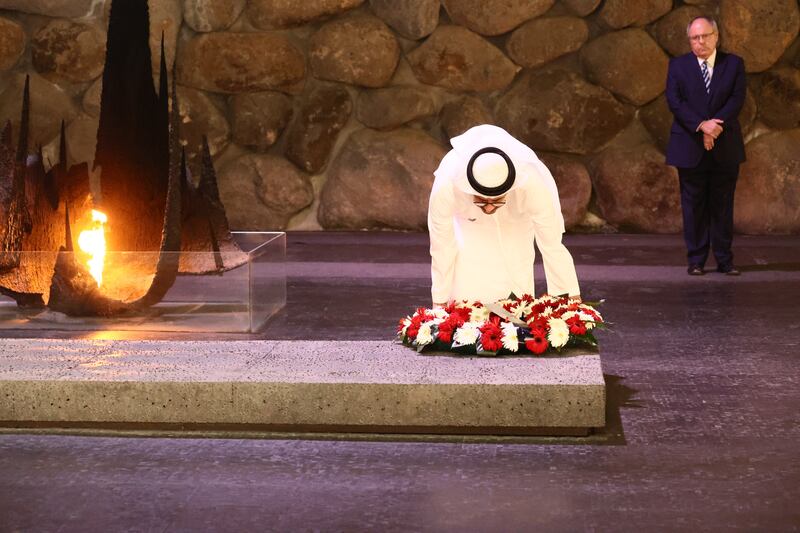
point(705, 92)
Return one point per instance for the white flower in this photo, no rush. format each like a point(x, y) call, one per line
point(406, 322)
point(466, 334)
point(569, 314)
point(479, 314)
point(425, 335)
point(510, 340)
point(439, 312)
point(559, 332)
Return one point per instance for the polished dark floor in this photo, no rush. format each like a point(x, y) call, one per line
point(703, 429)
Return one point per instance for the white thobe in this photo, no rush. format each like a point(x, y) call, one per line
point(475, 256)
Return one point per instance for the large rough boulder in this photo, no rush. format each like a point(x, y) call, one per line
point(394, 106)
point(240, 62)
point(380, 180)
point(581, 7)
point(413, 19)
point(532, 44)
point(494, 17)
point(63, 50)
point(636, 191)
point(657, 118)
point(260, 118)
point(670, 31)
point(51, 8)
point(262, 192)
point(324, 112)
point(277, 14)
point(758, 30)
point(12, 43)
point(779, 98)
point(574, 186)
point(91, 98)
point(212, 15)
point(618, 14)
point(358, 49)
point(460, 115)
point(769, 185)
point(458, 59)
point(199, 117)
point(49, 106)
point(81, 141)
point(558, 111)
point(629, 63)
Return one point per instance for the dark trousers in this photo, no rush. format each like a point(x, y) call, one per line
point(707, 204)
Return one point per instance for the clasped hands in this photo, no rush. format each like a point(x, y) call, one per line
point(711, 130)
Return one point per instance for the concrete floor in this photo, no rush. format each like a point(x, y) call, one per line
point(703, 404)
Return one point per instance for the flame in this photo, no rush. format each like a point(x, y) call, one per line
point(93, 242)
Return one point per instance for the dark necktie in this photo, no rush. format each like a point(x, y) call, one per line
point(706, 76)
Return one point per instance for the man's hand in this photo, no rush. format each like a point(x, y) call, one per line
point(712, 127)
point(708, 141)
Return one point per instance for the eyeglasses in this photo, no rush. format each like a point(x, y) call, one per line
point(701, 37)
point(486, 203)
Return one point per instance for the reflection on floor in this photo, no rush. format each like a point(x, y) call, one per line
point(702, 433)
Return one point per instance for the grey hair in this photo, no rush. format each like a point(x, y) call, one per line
point(707, 19)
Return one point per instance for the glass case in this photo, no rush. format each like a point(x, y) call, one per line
point(230, 291)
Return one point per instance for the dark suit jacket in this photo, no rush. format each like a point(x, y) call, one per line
point(690, 105)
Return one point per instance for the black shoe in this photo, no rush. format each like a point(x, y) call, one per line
point(729, 270)
point(695, 270)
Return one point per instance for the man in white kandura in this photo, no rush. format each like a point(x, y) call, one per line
point(491, 199)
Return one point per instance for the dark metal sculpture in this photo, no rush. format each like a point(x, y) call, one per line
point(145, 189)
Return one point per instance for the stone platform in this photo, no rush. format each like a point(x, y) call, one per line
point(297, 386)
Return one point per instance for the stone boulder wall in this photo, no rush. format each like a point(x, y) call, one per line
point(49, 106)
point(615, 59)
point(240, 62)
point(380, 180)
point(635, 190)
point(456, 58)
point(780, 98)
point(558, 111)
point(259, 118)
point(574, 186)
point(166, 18)
point(532, 44)
point(63, 50)
point(460, 115)
point(390, 107)
point(50, 8)
point(91, 98)
point(581, 8)
point(262, 192)
point(358, 49)
point(617, 14)
point(199, 117)
point(12, 43)
point(670, 30)
point(212, 15)
point(758, 30)
point(278, 14)
point(769, 185)
point(413, 19)
point(494, 17)
point(324, 112)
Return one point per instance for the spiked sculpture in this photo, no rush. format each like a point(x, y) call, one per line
point(153, 207)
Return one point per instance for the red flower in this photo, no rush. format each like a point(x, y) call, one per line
point(537, 342)
point(538, 322)
point(576, 326)
point(447, 328)
point(491, 337)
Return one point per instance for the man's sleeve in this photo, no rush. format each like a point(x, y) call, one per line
point(685, 115)
point(733, 105)
point(443, 240)
point(548, 224)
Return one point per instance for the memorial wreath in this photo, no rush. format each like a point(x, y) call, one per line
point(516, 325)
